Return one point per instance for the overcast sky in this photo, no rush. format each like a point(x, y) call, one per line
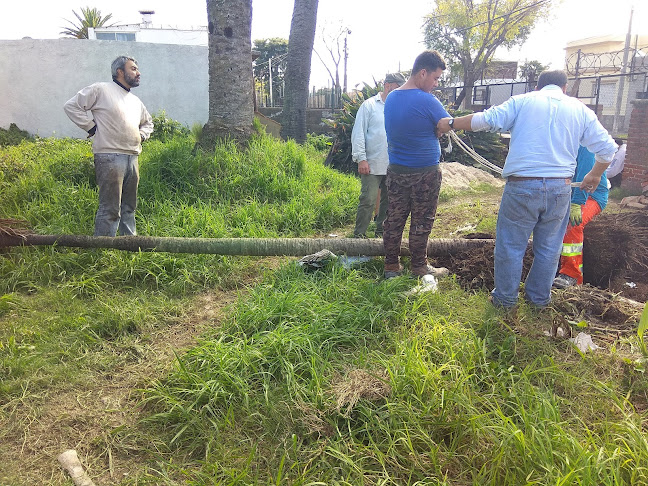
point(384, 36)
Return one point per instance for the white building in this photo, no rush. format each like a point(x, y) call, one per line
point(146, 31)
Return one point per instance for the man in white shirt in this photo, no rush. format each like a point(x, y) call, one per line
point(369, 151)
point(547, 127)
point(119, 122)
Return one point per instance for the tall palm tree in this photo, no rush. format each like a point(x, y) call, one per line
point(91, 18)
point(298, 66)
point(231, 106)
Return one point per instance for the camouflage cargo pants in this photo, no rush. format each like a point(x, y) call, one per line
point(416, 194)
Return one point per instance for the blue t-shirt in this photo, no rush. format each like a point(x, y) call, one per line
point(411, 117)
point(584, 163)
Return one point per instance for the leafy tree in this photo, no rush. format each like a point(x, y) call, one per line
point(231, 108)
point(530, 70)
point(298, 66)
point(90, 17)
point(468, 32)
point(272, 55)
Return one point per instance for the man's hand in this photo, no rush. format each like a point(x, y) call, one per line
point(590, 183)
point(363, 167)
point(575, 214)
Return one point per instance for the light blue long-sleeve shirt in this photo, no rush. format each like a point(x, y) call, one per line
point(368, 137)
point(547, 127)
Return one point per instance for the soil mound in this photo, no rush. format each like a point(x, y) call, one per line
point(615, 253)
point(459, 176)
point(474, 268)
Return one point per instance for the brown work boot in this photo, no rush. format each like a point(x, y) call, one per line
point(393, 270)
point(430, 270)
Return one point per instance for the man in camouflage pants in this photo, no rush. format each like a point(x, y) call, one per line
point(412, 113)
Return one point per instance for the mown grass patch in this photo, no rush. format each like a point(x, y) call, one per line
point(458, 397)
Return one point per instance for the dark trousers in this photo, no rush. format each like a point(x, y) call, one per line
point(417, 195)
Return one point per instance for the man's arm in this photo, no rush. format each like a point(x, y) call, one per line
point(460, 123)
point(77, 108)
point(146, 124)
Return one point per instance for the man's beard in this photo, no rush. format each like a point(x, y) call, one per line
point(131, 80)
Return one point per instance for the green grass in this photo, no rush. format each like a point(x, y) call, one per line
point(450, 392)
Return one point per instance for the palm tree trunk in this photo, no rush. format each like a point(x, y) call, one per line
point(231, 105)
point(298, 66)
point(239, 246)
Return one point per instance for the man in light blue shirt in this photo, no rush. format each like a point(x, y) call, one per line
point(369, 151)
point(547, 127)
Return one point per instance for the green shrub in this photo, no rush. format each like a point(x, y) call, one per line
point(13, 136)
point(318, 142)
point(165, 128)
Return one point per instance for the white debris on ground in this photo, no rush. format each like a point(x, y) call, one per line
point(428, 284)
point(459, 176)
point(584, 342)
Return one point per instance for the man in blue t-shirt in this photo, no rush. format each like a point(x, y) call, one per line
point(412, 113)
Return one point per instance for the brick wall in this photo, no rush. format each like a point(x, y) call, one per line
point(635, 170)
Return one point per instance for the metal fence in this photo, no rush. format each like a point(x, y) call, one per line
point(610, 96)
point(322, 98)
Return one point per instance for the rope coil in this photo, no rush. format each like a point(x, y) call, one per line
point(474, 155)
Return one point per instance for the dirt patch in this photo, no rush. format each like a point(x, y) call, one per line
point(85, 417)
point(606, 313)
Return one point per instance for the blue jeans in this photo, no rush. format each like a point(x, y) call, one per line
point(117, 176)
point(540, 207)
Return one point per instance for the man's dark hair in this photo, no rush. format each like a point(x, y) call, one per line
point(428, 60)
point(557, 77)
point(120, 63)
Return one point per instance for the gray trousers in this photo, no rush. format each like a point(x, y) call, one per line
point(117, 177)
point(368, 194)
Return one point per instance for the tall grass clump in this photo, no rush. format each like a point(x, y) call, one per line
point(270, 189)
point(337, 377)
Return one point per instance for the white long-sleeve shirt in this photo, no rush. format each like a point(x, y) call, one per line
point(121, 118)
point(618, 161)
point(368, 137)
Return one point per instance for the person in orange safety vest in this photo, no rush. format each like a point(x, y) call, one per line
point(584, 206)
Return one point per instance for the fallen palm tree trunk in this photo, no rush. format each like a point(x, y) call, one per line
point(238, 246)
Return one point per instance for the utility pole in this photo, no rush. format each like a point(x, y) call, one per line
point(346, 56)
point(619, 101)
point(270, 68)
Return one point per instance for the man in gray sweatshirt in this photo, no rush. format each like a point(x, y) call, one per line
point(119, 122)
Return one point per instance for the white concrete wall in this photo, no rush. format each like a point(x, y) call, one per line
point(38, 76)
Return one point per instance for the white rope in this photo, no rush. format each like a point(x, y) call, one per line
point(474, 155)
